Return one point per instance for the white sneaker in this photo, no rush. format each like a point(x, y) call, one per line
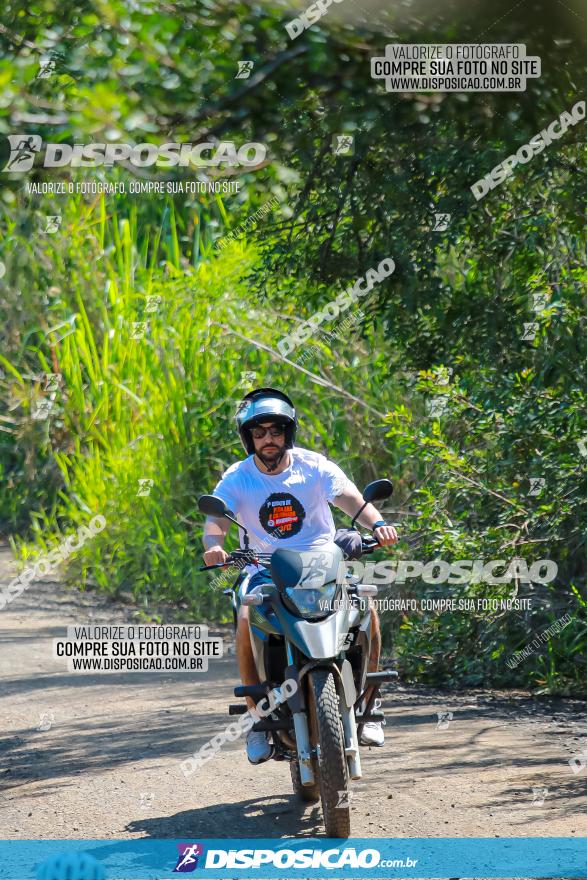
point(258, 746)
point(372, 733)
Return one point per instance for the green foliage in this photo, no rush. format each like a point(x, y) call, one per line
point(447, 324)
point(158, 408)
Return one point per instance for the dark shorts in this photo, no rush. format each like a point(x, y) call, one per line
point(349, 541)
point(259, 578)
point(255, 580)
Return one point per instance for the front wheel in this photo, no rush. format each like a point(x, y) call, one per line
point(327, 733)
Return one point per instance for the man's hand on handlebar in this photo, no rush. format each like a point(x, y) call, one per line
point(215, 555)
point(386, 535)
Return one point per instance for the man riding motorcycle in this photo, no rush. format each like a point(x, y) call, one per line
point(281, 494)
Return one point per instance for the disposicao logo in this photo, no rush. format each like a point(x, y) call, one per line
point(300, 859)
point(187, 861)
point(24, 148)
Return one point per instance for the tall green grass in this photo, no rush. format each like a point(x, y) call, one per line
point(158, 408)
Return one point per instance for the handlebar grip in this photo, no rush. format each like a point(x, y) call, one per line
point(370, 541)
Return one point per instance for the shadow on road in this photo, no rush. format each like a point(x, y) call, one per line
point(279, 816)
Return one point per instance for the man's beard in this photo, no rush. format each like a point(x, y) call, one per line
point(272, 461)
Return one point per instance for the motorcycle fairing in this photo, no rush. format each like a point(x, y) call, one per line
point(320, 639)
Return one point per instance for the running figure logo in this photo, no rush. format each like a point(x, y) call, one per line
point(343, 145)
point(316, 570)
point(188, 857)
point(244, 69)
point(23, 149)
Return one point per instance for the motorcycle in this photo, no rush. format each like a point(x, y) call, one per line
point(311, 639)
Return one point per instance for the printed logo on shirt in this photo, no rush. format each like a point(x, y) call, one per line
point(282, 515)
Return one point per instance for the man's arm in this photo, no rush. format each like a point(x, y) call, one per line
point(215, 531)
point(350, 500)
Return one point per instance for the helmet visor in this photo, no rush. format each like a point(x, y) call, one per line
point(264, 410)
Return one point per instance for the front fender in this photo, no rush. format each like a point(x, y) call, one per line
point(343, 676)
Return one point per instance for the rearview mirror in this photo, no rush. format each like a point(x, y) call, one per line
point(211, 505)
point(378, 490)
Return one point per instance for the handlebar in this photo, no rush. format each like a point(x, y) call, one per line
point(248, 556)
point(368, 544)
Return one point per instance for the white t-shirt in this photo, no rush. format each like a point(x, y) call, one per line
point(289, 509)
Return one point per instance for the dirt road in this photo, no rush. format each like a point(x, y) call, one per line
point(107, 763)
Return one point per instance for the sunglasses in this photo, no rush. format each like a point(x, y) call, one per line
point(273, 431)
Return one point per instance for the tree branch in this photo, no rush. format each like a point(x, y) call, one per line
point(317, 379)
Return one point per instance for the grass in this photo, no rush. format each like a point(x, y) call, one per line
point(151, 336)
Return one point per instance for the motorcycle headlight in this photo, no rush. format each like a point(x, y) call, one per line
point(312, 602)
